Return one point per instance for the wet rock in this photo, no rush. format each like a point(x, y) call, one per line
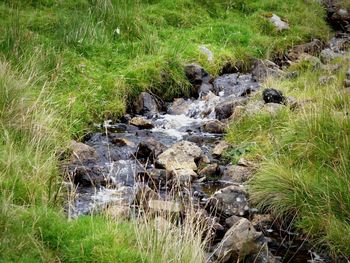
point(338, 15)
point(311, 48)
point(237, 173)
point(278, 23)
point(229, 201)
point(86, 176)
point(273, 96)
point(234, 85)
point(82, 153)
point(141, 122)
point(327, 55)
point(122, 142)
point(145, 103)
point(262, 69)
point(224, 110)
point(149, 148)
point(240, 240)
point(197, 77)
point(211, 170)
point(196, 74)
point(205, 89)
point(182, 155)
point(339, 44)
point(219, 148)
point(214, 126)
point(120, 127)
point(179, 106)
point(323, 80)
point(161, 206)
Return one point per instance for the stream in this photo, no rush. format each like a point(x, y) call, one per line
point(135, 152)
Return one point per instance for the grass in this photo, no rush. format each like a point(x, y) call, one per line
point(67, 64)
point(102, 53)
point(304, 157)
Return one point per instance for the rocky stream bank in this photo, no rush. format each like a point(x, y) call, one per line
point(168, 156)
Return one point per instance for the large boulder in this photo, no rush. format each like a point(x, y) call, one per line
point(199, 78)
point(229, 201)
point(145, 103)
point(262, 69)
point(240, 241)
point(182, 155)
point(224, 110)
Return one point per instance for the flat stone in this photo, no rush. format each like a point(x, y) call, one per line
point(278, 23)
point(122, 142)
point(262, 69)
point(237, 173)
point(183, 176)
point(211, 170)
point(82, 153)
point(145, 103)
point(214, 126)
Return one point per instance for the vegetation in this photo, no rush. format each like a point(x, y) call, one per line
point(304, 156)
point(67, 64)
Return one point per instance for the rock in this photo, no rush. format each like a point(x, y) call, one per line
point(149, 148)
point(262, 69)
point(219, 148)
point(145, 103)
point(347, 83)
point(122, 142)
point(338, 15)
point(237, 173)
point(82, 153)
point(196, 74)
point(311, 48)
point(224, 110)
point(254, 107)
point(235, 85)
point(179, 106)
point(183, 176)
point(273, 108)
point(323, 80)
point(238, 113)
point(339, 44)
point(87, 175)
point(278, 23)
point(214, 126)
point(117, 212)
point(205, 89)
point(245, 163)
point(240, 240)
point(229, 201)
point(331, 68)
point(262, 221)
point(164, 206)
point(327, 55)
point(310, 61)
point(273, 95)
point(141, 122)
point(232, 220)
point(211, 170)
point(182, 155)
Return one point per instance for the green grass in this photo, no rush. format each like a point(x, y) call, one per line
point(304, 158)
point(96, 69)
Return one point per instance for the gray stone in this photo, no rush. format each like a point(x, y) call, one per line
point(262, 69)
point(278, 23)
point(219, 148)
point(145, 103)
point(237, 173)
point(327, 55)
point(235, 85)
point(229, 201)
point(211, 170)
point(240, 241)
point(182, 155)
point(141, 122)
point(224, 110)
